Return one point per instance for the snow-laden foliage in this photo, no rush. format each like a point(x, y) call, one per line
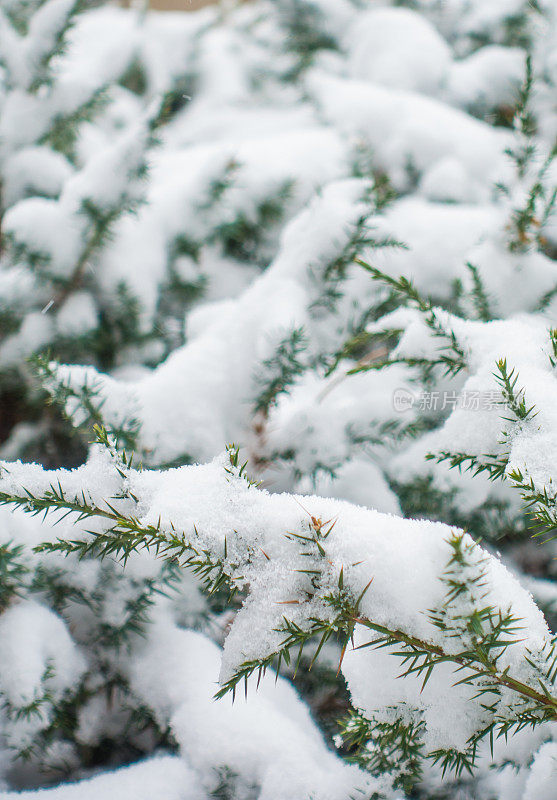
point(323, 230)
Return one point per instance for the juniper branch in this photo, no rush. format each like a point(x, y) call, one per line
point(452, 357)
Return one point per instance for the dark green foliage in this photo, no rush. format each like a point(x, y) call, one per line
point(514, 399)
point(277, 373)
point(118, 329)
point(43, 75)
point(305, 33)
point(228, 785)
point(176, 296)
point(451, 358)
point(528, 221)
point(12, 572)
point(175, 99)
point(134, 77)
point(64, 129)
point(331, 276)
point(553, 340)
point(235, 467)
point(394, 748)
point(383, 192)
point(480, 298)
point(246, 236)
point(89, 401)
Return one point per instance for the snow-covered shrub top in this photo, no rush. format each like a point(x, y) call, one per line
point(313, 566)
